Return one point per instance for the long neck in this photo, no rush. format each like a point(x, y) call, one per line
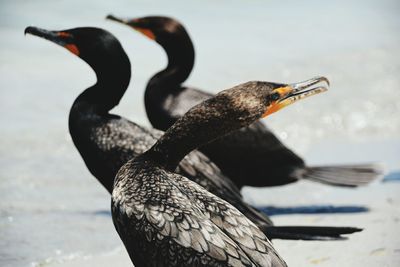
point(113, 76)
point(91, 108)
point(200, 125)
point(180, 53)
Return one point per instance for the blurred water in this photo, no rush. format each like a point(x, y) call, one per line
point(51, 209)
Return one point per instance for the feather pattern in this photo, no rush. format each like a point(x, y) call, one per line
point(170, 215)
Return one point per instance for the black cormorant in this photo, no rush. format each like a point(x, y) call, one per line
point(245, 154)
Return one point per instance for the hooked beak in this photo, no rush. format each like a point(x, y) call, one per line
point(49, 35)
point(59, 37)
point(132, 23)
point(292, 93)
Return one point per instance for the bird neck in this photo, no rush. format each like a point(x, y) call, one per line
point(180, 53)
point(90, 110)
point(113, 76)
point(200, 125)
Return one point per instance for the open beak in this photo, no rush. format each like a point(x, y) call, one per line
point(59, 37)
point(292, 93)
point(132, 23)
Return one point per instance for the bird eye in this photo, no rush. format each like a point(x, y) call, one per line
point(275, 96)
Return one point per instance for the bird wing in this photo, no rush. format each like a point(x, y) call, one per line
point(208, 175)
point(246, 154)
point(200, 169)
point(233, 223)
point(170, 229)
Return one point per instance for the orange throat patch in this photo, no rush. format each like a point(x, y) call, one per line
point(272, 109)
point(147, 32)
point(72, 48)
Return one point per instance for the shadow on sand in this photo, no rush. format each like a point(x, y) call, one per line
point(272, 210)
point(312, 209)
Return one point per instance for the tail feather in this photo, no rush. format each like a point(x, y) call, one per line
point(344, 175)
point(319, 233)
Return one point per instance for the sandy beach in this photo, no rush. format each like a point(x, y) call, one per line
point(54, 213)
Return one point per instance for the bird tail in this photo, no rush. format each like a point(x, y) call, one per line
point(343, 175)
point(319, 233)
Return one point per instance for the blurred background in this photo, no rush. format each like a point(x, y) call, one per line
point(54, 213)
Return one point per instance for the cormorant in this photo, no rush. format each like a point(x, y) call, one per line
point(164, 219)
point(244, 155)
point(107, 141)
